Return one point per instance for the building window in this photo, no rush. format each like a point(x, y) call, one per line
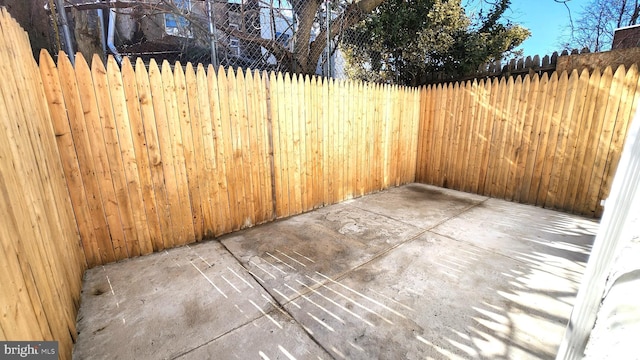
point(175, 24)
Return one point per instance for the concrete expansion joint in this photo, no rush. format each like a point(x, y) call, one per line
point(466, 209)
point(279, 307)
point(216, 338)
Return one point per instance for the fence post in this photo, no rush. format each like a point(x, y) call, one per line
point(616, 231)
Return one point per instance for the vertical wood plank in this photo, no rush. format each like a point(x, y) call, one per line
point(100, 158)
point(174, 138)
point(191, 166)
point(537, 132)
point(316, 141)
point(552, 142)
point(263, 102)
point(69, 156)
point(140, 158)
point(465, 168)
point(528, 129)
point(151, 143)
point(573, 132)
point(85, 160)
point(166, 115)
point(541, 154)
point(132, 234)
point(242, 128)
point(622, 122)
point(252, 144)
point(146, 224)
point(225, 190)
point(204, 151)
point(579, 172)
point(307, 124)
point(233, 129)
point(478, 136)
point(559, 149)
point(297, 150)
point(497, 137)
point(280, 146)
point(491, 88)
point(515, 123)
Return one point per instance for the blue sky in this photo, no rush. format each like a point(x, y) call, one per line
point(548, 22)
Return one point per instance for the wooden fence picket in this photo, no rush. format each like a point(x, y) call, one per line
point(543, 140)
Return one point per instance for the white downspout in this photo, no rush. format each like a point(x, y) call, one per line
point(111, 36)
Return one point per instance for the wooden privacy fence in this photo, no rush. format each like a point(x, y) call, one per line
point(41, 260)
point(166, 156)
point(103, 163)
point(551, 141)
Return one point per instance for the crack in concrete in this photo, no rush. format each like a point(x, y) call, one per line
point(280, 306)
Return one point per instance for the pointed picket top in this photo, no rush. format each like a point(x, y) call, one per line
point(81, 65)
point(221, 75)
point(607, 72)
point(63, 58)
point(241, 75)
point(97, 65)
point(167, 76)
point(179, 76)
point(46, 57)
point(209, 69)
point(269, 81)
point(229, 80)
point(234, 73)
point(620, 71)
point(248, 79)
point(518, 79)
point(51, 82)
point(126, 63)
point(563, 79)
point(140, 68)
point(189, 69)
point(525, 80)
point(503, 81)
point(287, 80)
point(201, 71)
point(154, 69)
point(585, 73)
point(166, 67)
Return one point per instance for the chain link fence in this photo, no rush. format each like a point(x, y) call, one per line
point(296, 36)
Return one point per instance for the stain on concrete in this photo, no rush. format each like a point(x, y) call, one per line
point(369, 278)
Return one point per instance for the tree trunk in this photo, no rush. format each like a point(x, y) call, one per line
point(87, 28)
point(351, 15)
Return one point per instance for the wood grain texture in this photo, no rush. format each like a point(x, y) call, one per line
point(41, 258)
point(547, 140)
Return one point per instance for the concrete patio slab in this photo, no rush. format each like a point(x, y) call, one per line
point(419, 205)
point(434, 297)
point(411, 272)
point(165, 304)
point(544, 239)
point(277, 336)
point(332, 241)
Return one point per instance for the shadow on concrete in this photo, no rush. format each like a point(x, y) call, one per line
point(412, 272)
